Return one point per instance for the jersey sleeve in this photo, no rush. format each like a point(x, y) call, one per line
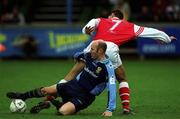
point(92, 23)
point(153, 33)
point(111, 86)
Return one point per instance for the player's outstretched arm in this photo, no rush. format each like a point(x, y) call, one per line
point(111, 85)
point(77, 68)
point(154, 34)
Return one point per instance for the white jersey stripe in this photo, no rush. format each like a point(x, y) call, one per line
point(124, 94)
point(125, 101)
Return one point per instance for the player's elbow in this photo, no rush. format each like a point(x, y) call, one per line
point(83, 31)
point(63, 112)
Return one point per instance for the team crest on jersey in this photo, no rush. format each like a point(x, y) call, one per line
point(98, 70)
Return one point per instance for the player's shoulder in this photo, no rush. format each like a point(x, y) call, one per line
point(78, 54)
point(87, 55)
point(82, 56)
point(127, 22)
point(107, 63)
point(102, 19)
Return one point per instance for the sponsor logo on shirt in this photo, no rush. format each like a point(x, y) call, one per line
point(90, 72)
point(94, 64)
point(98, 70)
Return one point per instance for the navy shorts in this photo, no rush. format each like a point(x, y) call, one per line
point(72, 92)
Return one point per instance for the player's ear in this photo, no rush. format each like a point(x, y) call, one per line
point(100, 50)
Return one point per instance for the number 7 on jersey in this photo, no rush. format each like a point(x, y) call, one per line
point(117, 22)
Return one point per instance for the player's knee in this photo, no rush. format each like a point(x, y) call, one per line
point(121, 78)
point(120, 74)
point(67, 109)
point(64, 111)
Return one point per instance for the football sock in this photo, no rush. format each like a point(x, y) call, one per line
point(33, 93)
point(57, 104)
point(124, 94)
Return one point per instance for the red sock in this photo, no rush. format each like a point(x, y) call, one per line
point(124, 95)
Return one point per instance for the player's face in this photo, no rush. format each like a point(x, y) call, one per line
point(94, 51)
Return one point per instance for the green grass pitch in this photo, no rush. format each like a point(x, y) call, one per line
point(155, 88)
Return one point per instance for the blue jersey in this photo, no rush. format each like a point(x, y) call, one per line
point(96, 76)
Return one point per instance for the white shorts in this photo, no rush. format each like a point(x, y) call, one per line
point(112, 52)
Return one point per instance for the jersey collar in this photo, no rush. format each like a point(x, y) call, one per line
point(105, 61)
point(115, 18)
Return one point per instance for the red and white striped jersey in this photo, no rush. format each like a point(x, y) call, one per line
point(120, 31)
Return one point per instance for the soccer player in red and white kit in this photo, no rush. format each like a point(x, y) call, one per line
point(115, 31)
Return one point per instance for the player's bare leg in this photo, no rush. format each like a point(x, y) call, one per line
point(120, 74)
point(50, 90)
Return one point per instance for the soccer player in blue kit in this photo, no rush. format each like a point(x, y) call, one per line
point(77, 94)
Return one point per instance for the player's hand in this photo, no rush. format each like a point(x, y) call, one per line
point(162, 42)
point(89, 30)
point(107, 114)
point(173, 38)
